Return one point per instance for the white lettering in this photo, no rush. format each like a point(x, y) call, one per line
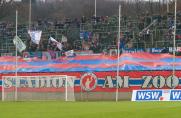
point(70, 81)
point(8, 82)
point(108, 82)
point(141, 95)
point(123, 82)
point(148, 95)
point(159, 82)
point(147, 82)
point(172, 81)
point(176, 95)
point(155, 95)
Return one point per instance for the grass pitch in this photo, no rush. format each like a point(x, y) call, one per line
point(56, 109)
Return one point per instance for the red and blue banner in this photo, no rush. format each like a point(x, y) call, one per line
point(108, 81)
point(92, 63)
point(97, 73)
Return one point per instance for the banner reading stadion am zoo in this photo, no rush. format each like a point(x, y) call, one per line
point(106, 81)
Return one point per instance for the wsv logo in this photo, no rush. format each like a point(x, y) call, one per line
point(148, 95)
point(157, 95)
point(175, 95)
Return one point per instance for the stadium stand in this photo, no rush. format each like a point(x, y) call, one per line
point(98, 33)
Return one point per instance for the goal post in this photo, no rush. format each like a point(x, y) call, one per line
point(69, 88)
point(8, 89)
point(46, 87)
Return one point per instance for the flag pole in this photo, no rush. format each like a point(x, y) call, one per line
point(29, 16)
point(95, 10)
point(16, 65)
point(168, 9)
point(174, 36)
point(118, 51)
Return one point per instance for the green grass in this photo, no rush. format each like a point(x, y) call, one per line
point(58, 109)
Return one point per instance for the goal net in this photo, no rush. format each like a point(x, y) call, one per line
point(24, 88)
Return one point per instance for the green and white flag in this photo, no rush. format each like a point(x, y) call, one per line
point(20, 45)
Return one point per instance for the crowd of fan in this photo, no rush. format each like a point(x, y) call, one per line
point(91, 40)
point(7, 32)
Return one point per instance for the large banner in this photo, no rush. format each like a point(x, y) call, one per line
point(106, 81)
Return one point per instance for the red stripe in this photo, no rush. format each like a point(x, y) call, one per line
point(131, 74)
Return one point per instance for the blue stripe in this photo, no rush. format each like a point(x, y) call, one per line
point(131, 82)
point(0, 82)
point(136, 82)
point(77, 82)
point(100, 82)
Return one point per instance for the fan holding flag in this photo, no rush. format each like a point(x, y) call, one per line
point(56, 43)
point(35, 36)
point(35, 39)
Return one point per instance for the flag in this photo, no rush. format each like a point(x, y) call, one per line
point(53, 40)
point(19, 43)
point(64, 38)
point(58, 44)
point(35, 36)
point(70, 53)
